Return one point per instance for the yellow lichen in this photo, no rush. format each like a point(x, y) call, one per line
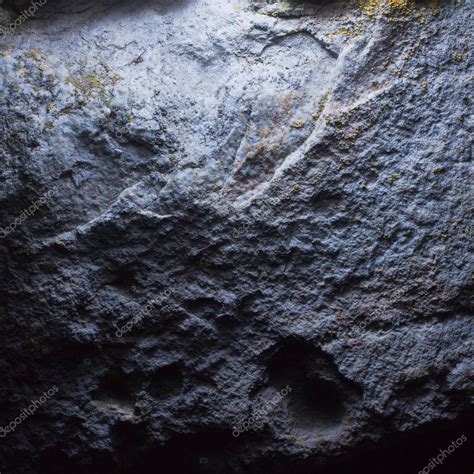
point(421, 18)
point(341, 31)
point(34, 54)
point(92, 79)
point(394, 10)
point(116, 78)
point(88, 83)
point(298, 123)
point(321, 105)
point(279, 8)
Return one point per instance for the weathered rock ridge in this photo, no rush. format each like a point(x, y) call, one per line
point(205, 202)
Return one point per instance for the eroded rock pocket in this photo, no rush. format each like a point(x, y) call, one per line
point(320, 397)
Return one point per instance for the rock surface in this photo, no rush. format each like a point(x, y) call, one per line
point(271, 195)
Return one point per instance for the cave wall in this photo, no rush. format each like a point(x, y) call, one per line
point(220, 211)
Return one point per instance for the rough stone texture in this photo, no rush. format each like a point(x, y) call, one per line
point(290, 183)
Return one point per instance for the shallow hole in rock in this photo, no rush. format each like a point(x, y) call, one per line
point(317, 398)
point(317, 402)
point(114, 388)
point(246, 307)
point(203, 306)
point(128, 435)
point(167, 381)
point(122, 279)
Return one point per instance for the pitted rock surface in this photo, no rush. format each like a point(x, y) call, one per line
point(270, 194)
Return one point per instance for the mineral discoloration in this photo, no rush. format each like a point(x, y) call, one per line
point(290, 183)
